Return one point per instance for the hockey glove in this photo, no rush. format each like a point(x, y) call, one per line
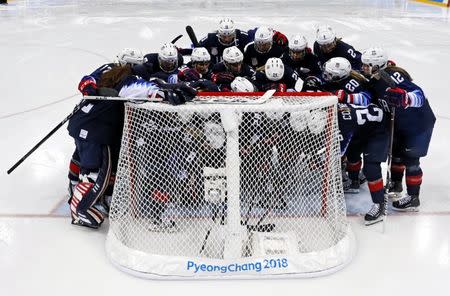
point(311, 83)
point(342, 96)
point(190, 75)
point(180, 93)
point(204, 85)
point(222, 78)
point(88, 86)
point(397, 97)
point(280, 39)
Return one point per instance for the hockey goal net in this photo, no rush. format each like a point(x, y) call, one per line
point(230, 185)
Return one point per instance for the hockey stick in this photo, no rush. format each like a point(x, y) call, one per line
point(58, 126)
point(176, 39)
point(192, 36)
point(387, 78)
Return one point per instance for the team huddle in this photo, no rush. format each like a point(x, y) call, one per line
point(377, 101)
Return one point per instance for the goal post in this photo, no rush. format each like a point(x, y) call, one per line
point(231, 185)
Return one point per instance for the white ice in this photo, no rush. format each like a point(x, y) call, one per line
point(45, 48)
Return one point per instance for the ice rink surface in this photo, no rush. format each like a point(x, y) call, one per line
point(45, 48)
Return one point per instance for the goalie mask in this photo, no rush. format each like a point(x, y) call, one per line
point(200, 59)
point(274, 69)
point(226, 32)
point(168, 57)
point(263, 39)
point(130, 56)
point(232, 59)
point(241, 84)
point(297, 47)
point(336, 69)
point(326, 38)
point(373, 59)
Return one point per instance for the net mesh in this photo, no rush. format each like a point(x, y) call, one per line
point(228, 182)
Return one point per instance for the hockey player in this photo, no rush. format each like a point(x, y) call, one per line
point(411, 136)
point(276, 76)
point(88, 86)
point(350, 87)
point(198, 68)
point(327, 46)
point(232, 66)
point(277, 37)
point(301, 59)
point(163, 65)
point(364, 130)
point(226, 36)
point(96, 129)
point(257, 53)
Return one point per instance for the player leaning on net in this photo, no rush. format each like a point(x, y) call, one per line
point(163, 64)
point(226, 36)
point(231, 67)
point(300, 58)
point(328, 46)
point(88, 87)
point(263, 47)
point(96, 129)
point(276, 76)
point(414, 122)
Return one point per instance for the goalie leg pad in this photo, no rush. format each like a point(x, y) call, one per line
point(100, 181)
point(91, 217)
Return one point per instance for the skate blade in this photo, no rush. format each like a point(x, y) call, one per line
point(351, 191)
point(410, 209)
point(368, 223)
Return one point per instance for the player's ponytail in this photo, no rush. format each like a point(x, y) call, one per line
point(111, 78)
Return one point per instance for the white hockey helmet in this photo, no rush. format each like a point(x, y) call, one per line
point(232, 55)
point(200, 55)
point(226, 31)
point(297, 47)
point(168, 57)
point(130, 56)
point(325, 35)
point(242, 84)
point(336, 69)
point(233, 58)
point(274, 69)
point(373, 59)
point(263, 39)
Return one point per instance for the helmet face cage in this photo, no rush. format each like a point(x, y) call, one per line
point(329, 47)
point(201, 67)
point(373, 60)
point(297, 55)
point(263, 39)
point(201, 59)
point(232, 59)
point(226, 32)
point(297, 47)
point(168, 58)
